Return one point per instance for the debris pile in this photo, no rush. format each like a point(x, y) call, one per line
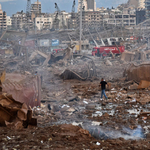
point(14, 114)
point(138, 73)
point(81, 69)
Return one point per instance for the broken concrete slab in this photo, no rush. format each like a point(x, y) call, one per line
point(127, 56)
point(108, 63)
point(90, 106)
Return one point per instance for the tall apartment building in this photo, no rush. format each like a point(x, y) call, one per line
point(36, 7)
point(122, 20)
point(20, 21)
point(87, 5)
point(91, 5)
point(141, 4)
point(8, 22)
point(35, 10)
point(96, 18)
point(3, 24)
point(147, 7)
point(44, 22)
point(140, 16)
point(84, 5)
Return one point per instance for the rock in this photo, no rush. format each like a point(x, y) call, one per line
point(73, 99)
point(71, 110)
point(90, 106)
point(108, 63)
point(131, 95)
point(55, 108)
point(133, 87)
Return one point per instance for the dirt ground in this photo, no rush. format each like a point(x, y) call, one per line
point(63, 137)
point(72, 102)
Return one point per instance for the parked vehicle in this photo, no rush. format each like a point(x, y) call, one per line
point(56, 50)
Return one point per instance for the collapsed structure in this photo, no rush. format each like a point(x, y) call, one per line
point(138, 73)
point(82, 68)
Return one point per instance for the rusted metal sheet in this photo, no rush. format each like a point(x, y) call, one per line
point(138, 73)
point(14, 113)
point(24, 89)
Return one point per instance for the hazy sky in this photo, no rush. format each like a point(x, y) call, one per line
point(12, 6)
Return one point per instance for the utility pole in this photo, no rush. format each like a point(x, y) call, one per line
point(81, 2)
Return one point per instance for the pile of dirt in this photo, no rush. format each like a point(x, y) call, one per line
point(63, 137)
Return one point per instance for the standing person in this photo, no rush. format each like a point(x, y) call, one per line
point(103, 87)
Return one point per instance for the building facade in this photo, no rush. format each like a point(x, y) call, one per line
point(91, 5)
point(3, 23)
point(43, 22)
point(8, 22)
point(140, 16)
point(96, 18)
point(122, 20)
point(36, 7)
point(21, 22)
point(147, 7)
point(141, 4)
point(87, 5)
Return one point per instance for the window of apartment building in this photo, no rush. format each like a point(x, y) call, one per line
point(132, 21)
point(37, 21)
point(132, 16)
point(118, 16)
point(125, 20)
point(125, 16)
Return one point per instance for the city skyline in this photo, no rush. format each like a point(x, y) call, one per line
point(13, 6)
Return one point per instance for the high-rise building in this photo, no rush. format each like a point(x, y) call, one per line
point(141, 4)
point(147, 7)
point(84, 5)
point(36, 7)
point(87, 5)
point(3, 24)
point(35, 10)
point(91, 5)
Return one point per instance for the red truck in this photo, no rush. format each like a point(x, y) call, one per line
point(56, 51)
point(106, 50)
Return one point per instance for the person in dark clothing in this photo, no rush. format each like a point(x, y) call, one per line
point(103, 87)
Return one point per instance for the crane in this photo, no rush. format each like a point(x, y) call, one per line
point(73, 10)
point(56, 20)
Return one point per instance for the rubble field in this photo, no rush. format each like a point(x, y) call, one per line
point(71, 114)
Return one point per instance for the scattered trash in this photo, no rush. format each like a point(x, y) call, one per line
point(98, 143)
